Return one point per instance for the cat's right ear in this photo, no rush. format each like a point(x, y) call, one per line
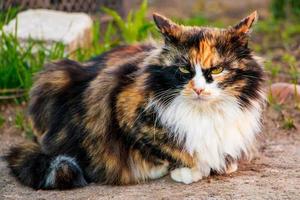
point(244, 27)
point(167, 27)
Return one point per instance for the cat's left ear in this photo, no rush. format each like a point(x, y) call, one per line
point(246, 24)
point(167, 27)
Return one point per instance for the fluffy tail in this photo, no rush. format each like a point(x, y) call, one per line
point(40, 171)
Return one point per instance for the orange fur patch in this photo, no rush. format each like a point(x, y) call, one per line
point(180, 155)
point(118, 57)
point(128, 102)
point(207, 57)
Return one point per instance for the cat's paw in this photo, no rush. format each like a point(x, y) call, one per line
point(231, 168)
point(186, 175)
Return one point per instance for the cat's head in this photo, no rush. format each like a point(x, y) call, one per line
point(203, 64)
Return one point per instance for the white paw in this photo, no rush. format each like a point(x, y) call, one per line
point(186, 175)
point(231, 168)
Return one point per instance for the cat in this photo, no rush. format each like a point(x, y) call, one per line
point(189, 106)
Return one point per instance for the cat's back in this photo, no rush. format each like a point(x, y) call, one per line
point(121, 55)
point(58, 93)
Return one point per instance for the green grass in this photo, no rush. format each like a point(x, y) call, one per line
point(21, 123)
point(288, 123)
point(108, 40)
point(6, 16)
point(282, 9)
point(135, 27)
point(278, 31)
point(2, 120)
point(273, 69)
point(280, 35)
point(290, 60)
point(18, 62)
point(199, 20)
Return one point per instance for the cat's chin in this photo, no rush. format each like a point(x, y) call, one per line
point(203, 101)
point(200, 98)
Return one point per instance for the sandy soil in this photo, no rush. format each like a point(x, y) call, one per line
point(273, 174)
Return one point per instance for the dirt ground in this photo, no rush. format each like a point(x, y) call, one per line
point(274, 173)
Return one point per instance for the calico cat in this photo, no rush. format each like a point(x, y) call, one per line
point(190, 106)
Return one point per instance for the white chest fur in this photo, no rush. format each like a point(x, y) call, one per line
point(212, 132)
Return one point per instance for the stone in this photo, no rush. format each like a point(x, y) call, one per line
point(72, 29)
point(284, 91)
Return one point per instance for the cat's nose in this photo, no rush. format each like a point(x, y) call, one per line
point(198, 90)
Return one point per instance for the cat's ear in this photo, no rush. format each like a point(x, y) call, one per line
point(246, 24)
point(166, 26)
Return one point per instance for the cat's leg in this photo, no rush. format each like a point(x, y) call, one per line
point(232, 167)
point(159, 171)
point(143, 170)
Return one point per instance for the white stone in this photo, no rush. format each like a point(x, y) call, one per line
point(72, 29)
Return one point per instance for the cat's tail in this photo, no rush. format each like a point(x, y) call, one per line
point(40, 171)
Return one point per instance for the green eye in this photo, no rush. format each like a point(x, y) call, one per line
point(217, 70)
point(183, 70)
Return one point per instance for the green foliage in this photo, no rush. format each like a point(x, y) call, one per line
point(267, 26)
point(2, 120)
point(19, 120)
point(135, 27)
point(294, 73)
point(283, 8)
point(277, 106)
point(293, 70)
point(18, 62)
point(5, 17)
point(257, 47)
point(108, 41)
point(295, 6)
point(277, 8)
point(274, 69)
point(288, 123)
point(278, 32)
point(272, 100)
point(200, 20)
point(290, 31)
point(21, 123)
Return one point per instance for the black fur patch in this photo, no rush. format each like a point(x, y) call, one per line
point(30, 171)
point(166, 82)
point(253, 77)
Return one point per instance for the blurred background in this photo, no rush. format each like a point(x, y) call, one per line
point(29, 40)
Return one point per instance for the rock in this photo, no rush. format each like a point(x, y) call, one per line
point(283, 91)
point(72, 29)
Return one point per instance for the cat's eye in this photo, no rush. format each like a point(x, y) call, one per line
point(217, 70)
point(183, 70)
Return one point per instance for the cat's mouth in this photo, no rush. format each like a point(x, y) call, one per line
point(201, 97)
point(205, 96)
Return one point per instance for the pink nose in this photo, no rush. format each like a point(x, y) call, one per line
point(198, 90)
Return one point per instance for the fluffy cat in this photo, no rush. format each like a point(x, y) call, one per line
point(190, 106)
